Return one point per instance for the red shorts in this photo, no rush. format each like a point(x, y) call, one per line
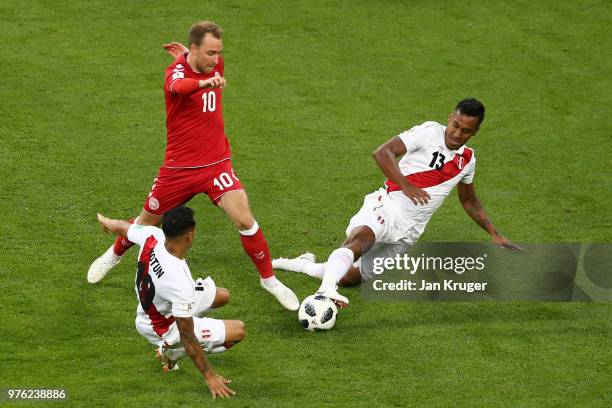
point(173, 187)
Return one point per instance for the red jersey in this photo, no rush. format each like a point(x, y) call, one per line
point(194, 122)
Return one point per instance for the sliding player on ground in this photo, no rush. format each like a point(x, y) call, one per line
point(434, 159)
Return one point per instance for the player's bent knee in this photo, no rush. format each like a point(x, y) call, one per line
point(241, 329)
point(235, 331)
point(244, 222)
point(222, 296)
point(360, 240)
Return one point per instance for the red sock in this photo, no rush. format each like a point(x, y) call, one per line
point(256, 247)
point(122, 244)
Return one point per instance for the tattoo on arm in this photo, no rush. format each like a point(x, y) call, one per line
point(476, 211)
point(192, 345)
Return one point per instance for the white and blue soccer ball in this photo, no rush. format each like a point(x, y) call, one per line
point(317, 312)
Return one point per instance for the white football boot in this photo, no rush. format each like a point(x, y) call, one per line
point(337, 298)
point(294, 264)
point(168, 364)
point(100, 267)
point(283, 294)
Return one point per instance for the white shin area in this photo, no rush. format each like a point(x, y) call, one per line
point(338, 264)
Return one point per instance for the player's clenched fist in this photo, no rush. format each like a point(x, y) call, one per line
point(215, 82)
point(417, 195)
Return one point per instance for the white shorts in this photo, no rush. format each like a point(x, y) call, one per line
point(205, 291)
point(393, 234)
point(382, 216)
point(209, 332)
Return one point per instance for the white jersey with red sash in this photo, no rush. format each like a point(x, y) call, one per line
point(164, 285)
point(430, 165)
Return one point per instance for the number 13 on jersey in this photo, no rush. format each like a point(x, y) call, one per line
point(209, 101)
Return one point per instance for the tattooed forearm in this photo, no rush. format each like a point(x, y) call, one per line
point(478, 214)
point(192, 345)
point(194, 350)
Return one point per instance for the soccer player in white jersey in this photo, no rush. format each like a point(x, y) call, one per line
point(171, 305)
point(434, 159)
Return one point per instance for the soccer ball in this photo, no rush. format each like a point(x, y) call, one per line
point(317, 312)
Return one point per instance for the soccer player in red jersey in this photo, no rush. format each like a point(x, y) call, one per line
point(198, 157)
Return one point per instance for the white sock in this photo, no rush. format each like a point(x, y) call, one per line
point(336, 267)
point(315, 270)
point(270, 282)
point(175, 353)
point(216, 350)
point(111, 252)
point(178, 353)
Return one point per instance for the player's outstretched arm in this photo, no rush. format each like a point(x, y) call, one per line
point(385, 156)
point(118, 227)
point(472, 206)
point(216, 384)
point(175, 49)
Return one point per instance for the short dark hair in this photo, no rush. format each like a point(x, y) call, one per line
point(199, 30)
point(471, 107)
point(178, 221)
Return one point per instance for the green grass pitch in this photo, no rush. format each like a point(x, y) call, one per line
point(313, 88)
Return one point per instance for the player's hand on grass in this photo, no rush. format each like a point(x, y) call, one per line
point(175, 49)
point(504, 242)
point(215, 82)
point(417, 195)
point(217, 386)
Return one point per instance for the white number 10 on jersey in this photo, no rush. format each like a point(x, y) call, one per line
point(209, 102)
point(225, 180)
